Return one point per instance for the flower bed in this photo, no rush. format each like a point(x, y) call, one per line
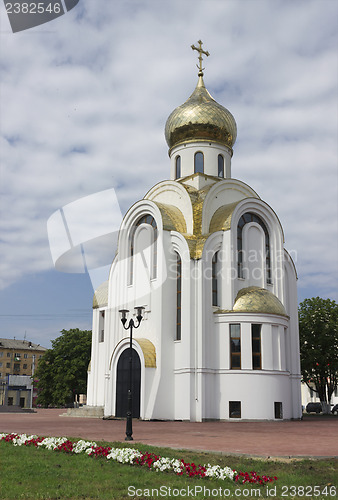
point(132, 456)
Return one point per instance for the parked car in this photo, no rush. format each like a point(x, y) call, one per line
point(313, 408)
point(335, 409)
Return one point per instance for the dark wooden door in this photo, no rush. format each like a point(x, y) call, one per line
point(122, 384)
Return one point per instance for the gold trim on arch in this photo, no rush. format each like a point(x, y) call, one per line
point(172, 218)
point(221, 220)
point(149, 352)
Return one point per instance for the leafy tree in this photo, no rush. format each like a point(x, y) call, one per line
point(318, 333)
point(62, 370)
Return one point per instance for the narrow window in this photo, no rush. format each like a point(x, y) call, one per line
point(278, 410)
point(146, 219)
point(178, 167)
point(235, 346)
point(199, 163)
point(178, 296)
point(101, 327)
point(220, 166)
point(256, 347)
point(214, 280)
point(251, 217)
point(234, 409)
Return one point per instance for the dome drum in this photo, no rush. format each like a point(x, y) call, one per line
point(211, 152)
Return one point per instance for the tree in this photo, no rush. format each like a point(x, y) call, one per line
point(62, 370)
point(318, 334)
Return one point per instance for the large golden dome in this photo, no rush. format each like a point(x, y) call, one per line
point(200, 118)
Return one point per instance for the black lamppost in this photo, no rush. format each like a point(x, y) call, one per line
point(131, 325)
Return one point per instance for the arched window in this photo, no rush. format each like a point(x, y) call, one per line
point(251, 217)
point(199, 163)
point(220, 166)
point(178, 296)
point(178, 167)
point(145, 219)
point(214, 280)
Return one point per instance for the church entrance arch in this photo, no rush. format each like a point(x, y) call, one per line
point(122, 377)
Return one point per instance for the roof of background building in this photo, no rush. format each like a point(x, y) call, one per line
point(20, 344)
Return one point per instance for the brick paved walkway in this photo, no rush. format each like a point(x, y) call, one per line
point(315, 436)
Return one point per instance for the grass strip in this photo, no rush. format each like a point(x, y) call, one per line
point(28, 472)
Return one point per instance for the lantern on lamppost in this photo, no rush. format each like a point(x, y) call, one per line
point(130, 326)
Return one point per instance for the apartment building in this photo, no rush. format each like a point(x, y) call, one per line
point(18, 360)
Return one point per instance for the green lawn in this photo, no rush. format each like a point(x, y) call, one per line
point(30, 473)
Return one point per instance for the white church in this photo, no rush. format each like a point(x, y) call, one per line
point(204, 255)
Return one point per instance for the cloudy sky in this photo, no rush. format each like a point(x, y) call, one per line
point(84, 100)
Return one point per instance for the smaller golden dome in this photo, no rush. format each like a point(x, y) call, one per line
point(101, 296)
point(258, 300)
point(200, 118)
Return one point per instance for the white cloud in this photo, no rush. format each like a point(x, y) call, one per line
point(84, 101)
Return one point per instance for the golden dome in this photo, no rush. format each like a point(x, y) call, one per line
point(101, 296)
point(258, 300)
point(200, 118)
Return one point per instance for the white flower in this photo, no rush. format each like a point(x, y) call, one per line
point(121, 455)
point(84, 446)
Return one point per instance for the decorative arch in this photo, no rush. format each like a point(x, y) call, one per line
point(179, 198)
point(225, 193)
point(143, 219)
point(246, 218)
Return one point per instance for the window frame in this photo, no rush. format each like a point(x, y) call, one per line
point(198, 169)
point(257, 336)
point(178, 334)
point(235, 354)
point(278, 410)
point(102, 320)
point(220, 168)
point(178, 163)
point(214, 280)
point(232, 409)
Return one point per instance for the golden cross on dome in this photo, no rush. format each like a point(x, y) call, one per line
point(200, 58)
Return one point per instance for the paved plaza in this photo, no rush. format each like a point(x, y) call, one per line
point(314, 436)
